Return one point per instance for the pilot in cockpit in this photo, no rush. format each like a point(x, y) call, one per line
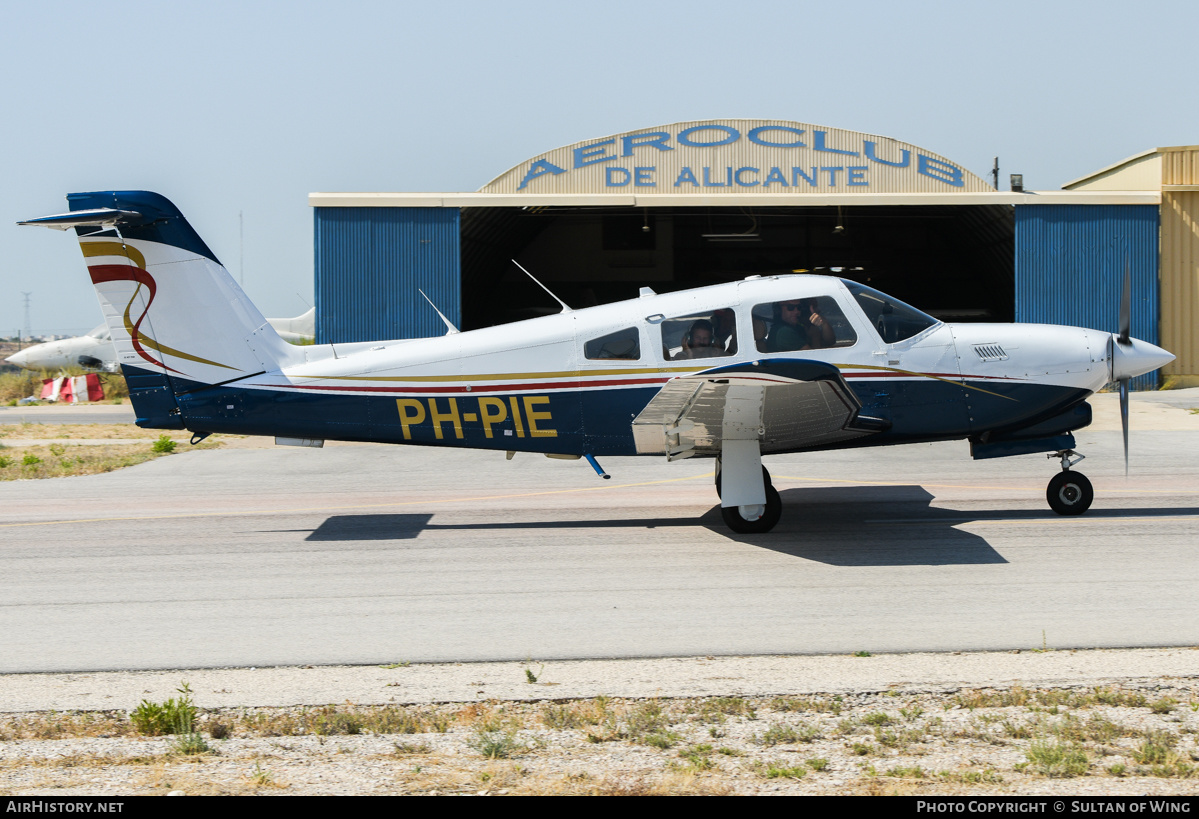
point(798, 326)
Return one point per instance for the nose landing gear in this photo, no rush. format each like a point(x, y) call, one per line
point(1069, 493)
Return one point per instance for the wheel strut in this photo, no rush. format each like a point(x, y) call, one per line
point(1068, 456)
point(1069, 492)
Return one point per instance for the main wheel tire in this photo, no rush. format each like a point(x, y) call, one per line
point(1070, 493)
point(770, 517)
point(765, 479)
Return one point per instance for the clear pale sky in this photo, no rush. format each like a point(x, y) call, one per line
point(228, 107)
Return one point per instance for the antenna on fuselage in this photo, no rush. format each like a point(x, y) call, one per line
point(565, 308)
point(452, 328)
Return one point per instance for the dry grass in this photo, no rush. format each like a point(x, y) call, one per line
point(60, 461)
point(979, 742)
point(61, 458)
point(1051, 697)
point(17, 385)
point(32, 430)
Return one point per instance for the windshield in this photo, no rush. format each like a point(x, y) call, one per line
point(894, 320)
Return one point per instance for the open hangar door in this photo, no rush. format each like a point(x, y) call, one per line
point(956, 262)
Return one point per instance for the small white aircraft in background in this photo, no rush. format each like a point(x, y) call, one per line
point(731, 371)
point(298, 330)
point(95, 351)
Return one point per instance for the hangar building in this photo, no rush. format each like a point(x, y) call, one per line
point(694, 203)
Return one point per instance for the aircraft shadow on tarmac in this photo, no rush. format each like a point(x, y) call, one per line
point(868, 526)
point(841, 526)
point(400, 527)
point(895, 526)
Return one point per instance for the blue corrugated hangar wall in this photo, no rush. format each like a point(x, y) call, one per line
point(1070, 263)
point(369, 265)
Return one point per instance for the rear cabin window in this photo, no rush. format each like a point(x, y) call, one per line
point(790, 325)
point(623, 345)
point(700, 335)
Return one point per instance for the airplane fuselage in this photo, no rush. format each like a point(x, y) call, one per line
point(534, 385)
point(732, 371)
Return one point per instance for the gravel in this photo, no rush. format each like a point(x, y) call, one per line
point(1098, 722)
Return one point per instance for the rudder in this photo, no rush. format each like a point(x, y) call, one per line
point(179, 321)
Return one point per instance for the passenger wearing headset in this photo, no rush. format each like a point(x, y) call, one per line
point(699, 342)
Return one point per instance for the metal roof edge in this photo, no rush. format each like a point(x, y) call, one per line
point(1112, 167)
point(375, 200)
point(505, 200)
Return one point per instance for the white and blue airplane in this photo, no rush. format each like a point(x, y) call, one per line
point(732, 371)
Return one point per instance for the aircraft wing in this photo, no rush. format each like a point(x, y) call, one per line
point(786, 405)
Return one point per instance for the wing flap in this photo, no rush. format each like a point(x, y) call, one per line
point(786, 405)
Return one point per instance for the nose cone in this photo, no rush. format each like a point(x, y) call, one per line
point(20, 359)
point(1137, 358)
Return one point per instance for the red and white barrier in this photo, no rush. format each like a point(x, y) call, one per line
point(77, 390)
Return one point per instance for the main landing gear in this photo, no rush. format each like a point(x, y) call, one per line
point(757, 518)
point(1069, 493)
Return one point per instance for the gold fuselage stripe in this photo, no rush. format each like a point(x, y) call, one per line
point(596, 373)
point(502, 376)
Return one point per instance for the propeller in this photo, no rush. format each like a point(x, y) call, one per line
point(1124, 340)
point(1130, 357)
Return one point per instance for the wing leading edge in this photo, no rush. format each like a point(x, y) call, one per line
point(786, 405)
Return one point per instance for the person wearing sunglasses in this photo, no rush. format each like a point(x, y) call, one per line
point(798, 326)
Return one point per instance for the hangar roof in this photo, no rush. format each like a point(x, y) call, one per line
point(745, 163)
point(1170, 169)
point(651, 200)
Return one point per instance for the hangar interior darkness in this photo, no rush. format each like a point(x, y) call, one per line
point(956, 262)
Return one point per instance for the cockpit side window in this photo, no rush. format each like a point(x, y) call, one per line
point(700, 335)
point(624, 345)
point(811, 323)
point(894, 320)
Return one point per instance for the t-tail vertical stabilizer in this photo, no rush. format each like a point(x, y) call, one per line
point(179, 321)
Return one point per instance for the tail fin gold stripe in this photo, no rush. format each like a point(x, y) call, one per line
point(134, 255)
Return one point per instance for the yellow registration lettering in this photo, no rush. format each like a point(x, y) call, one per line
point(439, 418)
point(520, 427)
point(534, 417)
point(411, 412)
point(500, 414)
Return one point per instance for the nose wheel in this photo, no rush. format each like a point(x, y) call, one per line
point(1069, 493)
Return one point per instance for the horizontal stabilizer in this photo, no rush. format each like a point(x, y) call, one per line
point(97, 217)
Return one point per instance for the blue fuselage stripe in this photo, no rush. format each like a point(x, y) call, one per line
point(594, 421)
